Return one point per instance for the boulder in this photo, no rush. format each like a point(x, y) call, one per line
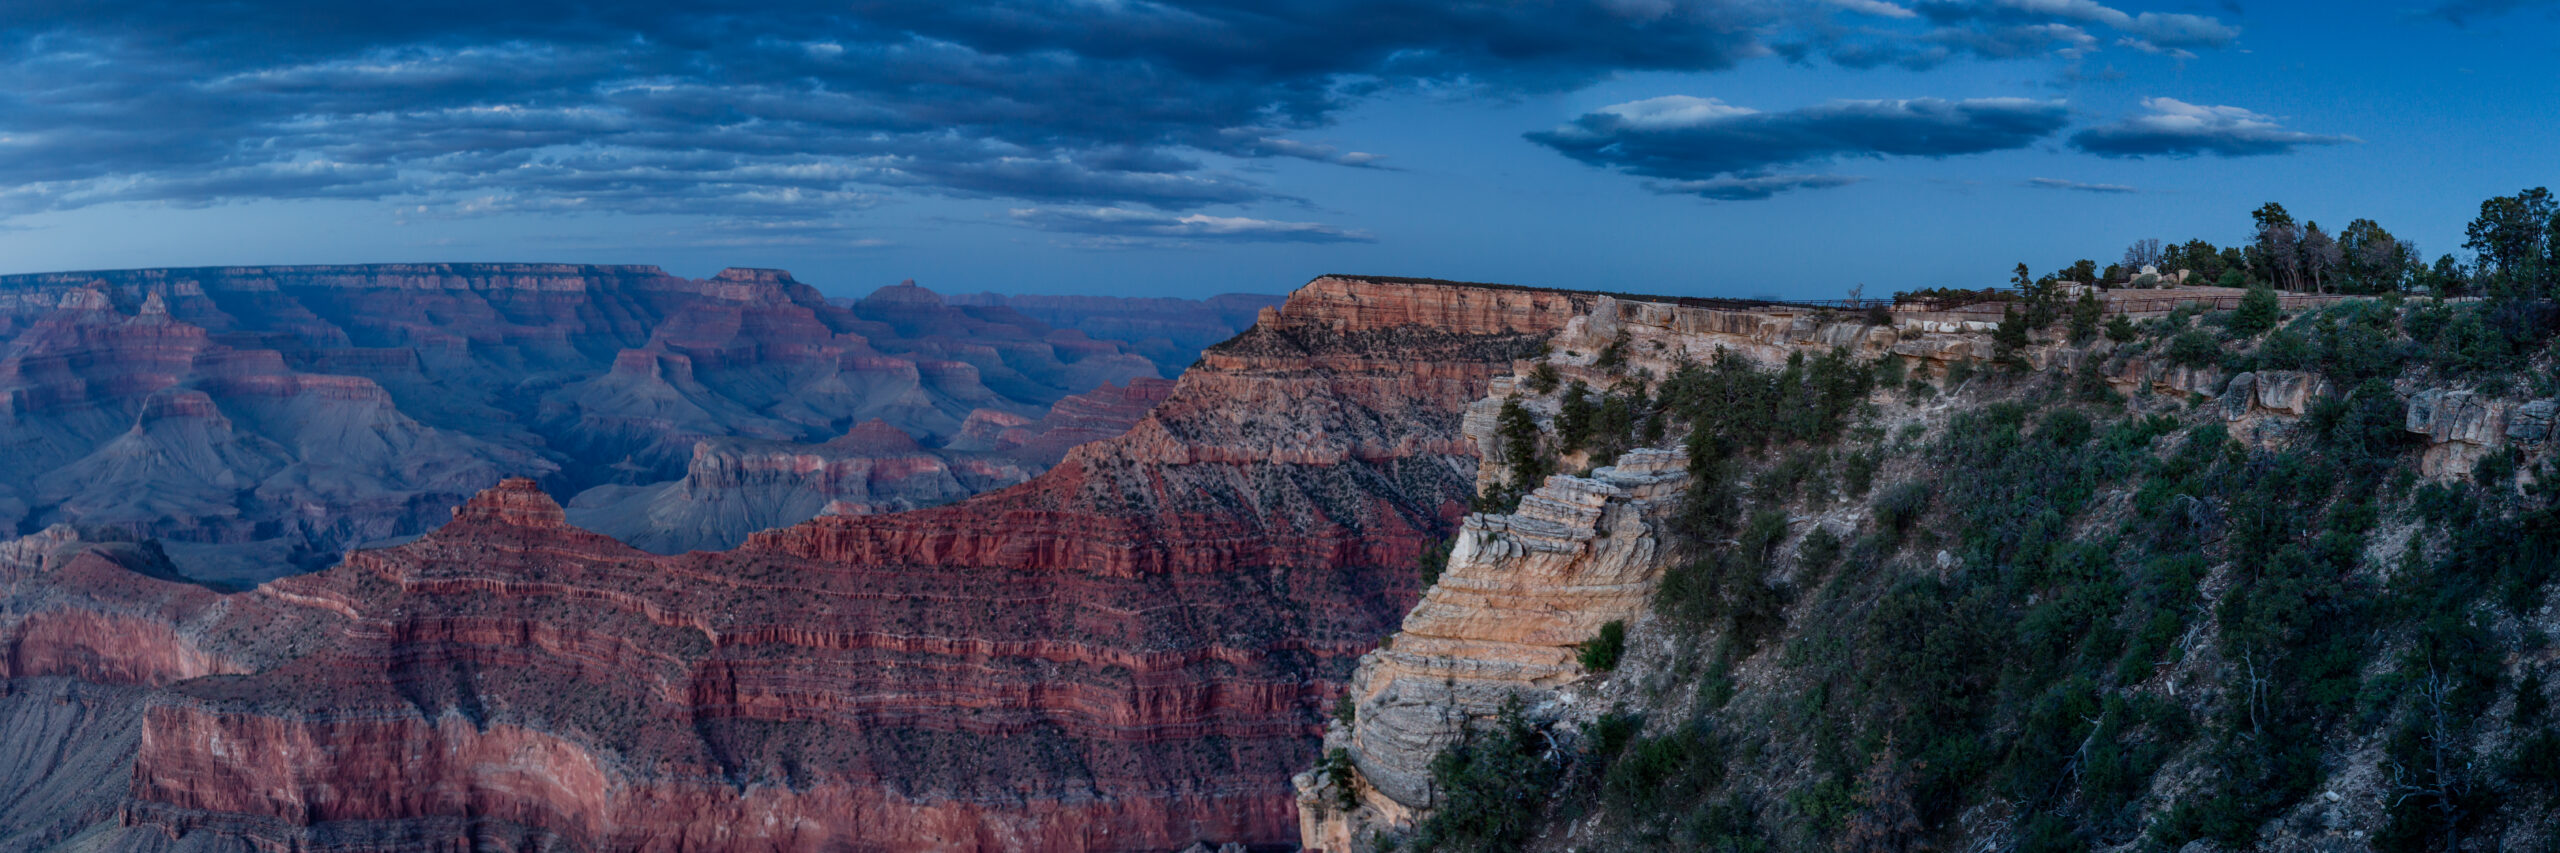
point(2530, 424)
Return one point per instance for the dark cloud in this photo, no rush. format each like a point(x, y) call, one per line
point(2018, 29)
point(2076, 186)
point(2163, 29)
point(1124, 224)
point(1697, 141)
point(2175, 128)
point(773, 110)
point(798, 108)
point(1751, 189)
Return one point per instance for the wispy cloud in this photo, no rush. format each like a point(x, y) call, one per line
point(1124, 223)
point(2060, 184)
point(1751, 189)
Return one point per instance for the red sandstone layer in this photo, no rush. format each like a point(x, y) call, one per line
point(1127, 653)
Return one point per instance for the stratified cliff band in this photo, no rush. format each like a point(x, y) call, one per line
point(1127, 652)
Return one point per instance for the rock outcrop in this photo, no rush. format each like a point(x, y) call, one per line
point(1522, 592)
point(2460, 427)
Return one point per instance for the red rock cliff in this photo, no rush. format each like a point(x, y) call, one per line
point(1126, 653)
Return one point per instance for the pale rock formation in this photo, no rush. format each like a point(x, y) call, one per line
point(2283, 393)
point(2460, 426)
point(1521, 593)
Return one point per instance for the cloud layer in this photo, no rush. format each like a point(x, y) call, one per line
point(1125, 224)
point(1714, 149)
point(798, 109)
point(2006, 29)
point(784, 110)
point(2174, 128)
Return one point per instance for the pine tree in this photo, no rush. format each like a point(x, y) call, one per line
point(2009, 341)
point(2084, 317)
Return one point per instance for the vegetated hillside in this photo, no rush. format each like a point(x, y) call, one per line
point(2209, 580)
point(257, 421)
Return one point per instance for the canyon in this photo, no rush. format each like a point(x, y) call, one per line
point(1129, 651)
point(258, 421)
point(1221, 624)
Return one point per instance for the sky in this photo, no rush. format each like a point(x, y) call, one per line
point(1789, 148)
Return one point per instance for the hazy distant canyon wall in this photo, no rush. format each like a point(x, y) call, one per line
point(257, 420)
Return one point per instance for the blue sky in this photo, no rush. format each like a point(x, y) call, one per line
point(1742, 147)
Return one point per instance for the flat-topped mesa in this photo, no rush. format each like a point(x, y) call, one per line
point(513, 502)
point(755, 275)
point(1353, 303)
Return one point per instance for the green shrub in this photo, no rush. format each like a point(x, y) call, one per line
point(1819, 548)
point(2120, 329)
point(1600, 653)
point(1491, 785)
point(1655, 774)
point(2194, 348)
point(1543, 378)
point(2258, 312)
point(1337, 770)
point(1901, 505)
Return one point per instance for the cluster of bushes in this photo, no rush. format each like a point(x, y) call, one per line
point(1998, 629)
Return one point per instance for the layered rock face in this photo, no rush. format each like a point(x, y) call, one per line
point(1170, 332)
point(1127, 652)
point(1522, 592)
point(2462, 427)
point(258, 420)
point(735, 487)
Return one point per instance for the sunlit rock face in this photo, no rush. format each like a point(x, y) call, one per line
point(1127, 652)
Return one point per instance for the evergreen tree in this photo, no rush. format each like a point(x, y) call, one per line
point(1520, 446)
point(2258, 311)
point(2120, 329)
point(2514, 238)
point(2084, 316)
point(2009, 341)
